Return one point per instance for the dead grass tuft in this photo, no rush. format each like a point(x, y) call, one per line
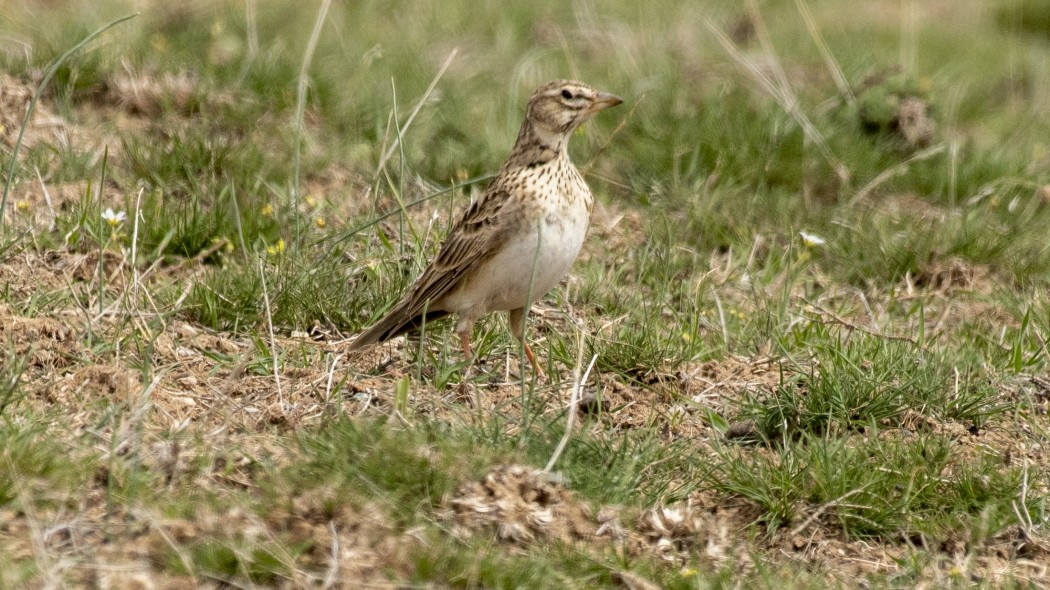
point(45, 342)
point(150, 95)
point(107, 382)
point(45, 126)
point(521, 504)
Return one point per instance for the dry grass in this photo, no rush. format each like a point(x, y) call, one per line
point(147, 449)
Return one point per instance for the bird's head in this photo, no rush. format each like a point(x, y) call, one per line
point(559, 107)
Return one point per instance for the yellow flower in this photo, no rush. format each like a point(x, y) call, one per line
point(310, 200)
point(267, 210)
point(688, 572)
point(687, 337)
point(223, 243)
point(160, 43)
point(277, 249)
point(22, 206)
point(320, 222)
point(1039, 150)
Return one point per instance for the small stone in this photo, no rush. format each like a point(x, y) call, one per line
point(590, 405)
point(742, 429)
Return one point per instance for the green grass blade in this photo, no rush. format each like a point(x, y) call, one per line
point(36, 96)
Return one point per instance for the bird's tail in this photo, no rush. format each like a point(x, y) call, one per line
point(402, 318)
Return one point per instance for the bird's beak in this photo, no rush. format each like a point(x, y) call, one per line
point(604, 100)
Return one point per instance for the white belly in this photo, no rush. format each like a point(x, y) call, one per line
point(526, 268)
point(548, 254)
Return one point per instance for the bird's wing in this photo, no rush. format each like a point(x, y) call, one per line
point(476, 237)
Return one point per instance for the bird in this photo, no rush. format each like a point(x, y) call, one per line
point(519, 238)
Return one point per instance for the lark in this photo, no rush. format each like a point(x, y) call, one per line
point(519, 238)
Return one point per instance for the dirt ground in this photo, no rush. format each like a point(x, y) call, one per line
point(205, 388)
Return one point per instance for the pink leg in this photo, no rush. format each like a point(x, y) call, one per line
point(517, 327)
point(464, 341)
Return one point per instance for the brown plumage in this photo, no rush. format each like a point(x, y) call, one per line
point(516, 241)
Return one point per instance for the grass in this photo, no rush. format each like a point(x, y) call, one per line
point(177, 380)
point(871, 382)
point(830, 480)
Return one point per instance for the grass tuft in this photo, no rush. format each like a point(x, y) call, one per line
point(819, 225)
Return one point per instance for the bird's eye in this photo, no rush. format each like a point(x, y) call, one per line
point(566, 94)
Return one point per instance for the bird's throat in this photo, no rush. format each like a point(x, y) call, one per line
point(536, 146)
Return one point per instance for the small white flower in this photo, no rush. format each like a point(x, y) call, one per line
point(114, 218)
point(811, 240)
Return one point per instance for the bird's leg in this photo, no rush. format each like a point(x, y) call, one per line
point(532, 359)
point(463, 329)
point(464, 326)
point(517, 327)
point(464, 341)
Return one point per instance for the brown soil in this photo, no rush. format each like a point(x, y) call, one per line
point(206, 387)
